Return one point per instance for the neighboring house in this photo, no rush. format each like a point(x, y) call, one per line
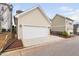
point(60, 24)
point(76, 28)
point(5, 16)
point(31, 25)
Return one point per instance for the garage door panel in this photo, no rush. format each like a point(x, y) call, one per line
point(34, 32)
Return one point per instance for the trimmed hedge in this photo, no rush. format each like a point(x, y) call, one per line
point(65, 34)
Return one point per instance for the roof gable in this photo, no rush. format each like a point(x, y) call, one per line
point(64, 17)
point(40, 12)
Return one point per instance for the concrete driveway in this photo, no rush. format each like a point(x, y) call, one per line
point(60, 48)
point(42, 40)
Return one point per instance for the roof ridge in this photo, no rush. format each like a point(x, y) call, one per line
point(28, 10)
point(64, 17)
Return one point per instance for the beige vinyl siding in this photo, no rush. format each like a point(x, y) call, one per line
point(32, 18)
point(58, 24)
point(69, 26)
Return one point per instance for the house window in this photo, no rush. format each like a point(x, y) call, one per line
point(2, 9)
point(70, 23)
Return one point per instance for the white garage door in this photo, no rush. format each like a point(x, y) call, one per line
point(34, 32)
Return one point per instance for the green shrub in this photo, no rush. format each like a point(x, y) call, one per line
point(13, 29)
point(3, 30)
point(65, 34)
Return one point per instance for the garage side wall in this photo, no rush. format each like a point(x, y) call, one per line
point(58, 24)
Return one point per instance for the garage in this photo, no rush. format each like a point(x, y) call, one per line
point(31, 32)
point(33, 26)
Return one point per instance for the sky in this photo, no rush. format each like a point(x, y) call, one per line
point(70, 10)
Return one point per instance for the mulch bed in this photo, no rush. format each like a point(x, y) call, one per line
point(17, 44)
point(62, 36)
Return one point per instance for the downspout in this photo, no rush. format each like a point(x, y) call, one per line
point(65, 26)
point(11, 8)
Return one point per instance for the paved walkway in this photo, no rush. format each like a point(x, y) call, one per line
point(42, 40)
